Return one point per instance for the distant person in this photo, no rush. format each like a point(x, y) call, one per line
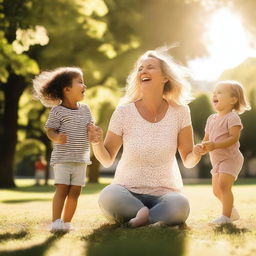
point(40, 169)
point(152, 124)
point(221, 139)
point(62, 89)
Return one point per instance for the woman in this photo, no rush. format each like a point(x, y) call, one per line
point(151, 126)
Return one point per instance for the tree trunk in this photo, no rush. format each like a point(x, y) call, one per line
point(93, 171)
point(12, 92)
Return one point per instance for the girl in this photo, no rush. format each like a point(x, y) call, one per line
point(221, 139)
point(62, 89)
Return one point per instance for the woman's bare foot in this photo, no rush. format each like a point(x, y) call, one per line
point(141, 218)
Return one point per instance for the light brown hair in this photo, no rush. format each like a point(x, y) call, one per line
point(237, 91)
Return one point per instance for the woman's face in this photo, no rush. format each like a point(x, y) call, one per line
point(150, 75)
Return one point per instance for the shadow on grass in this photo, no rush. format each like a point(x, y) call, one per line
point(90, 188)
point(230, 229)
point(10, 236)
point(239, 182)
point(24, 200)
point(113, 240)
point(36, 250)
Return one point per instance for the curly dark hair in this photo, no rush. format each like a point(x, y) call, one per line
point(49, 85)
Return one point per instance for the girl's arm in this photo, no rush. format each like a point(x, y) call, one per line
point(185, 146)
point(234, 135)
point(56, 137)
point(206, 137)
point(105, 151)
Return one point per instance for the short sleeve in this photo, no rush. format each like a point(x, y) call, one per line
point(53, 120)
point(185, 117)
point(117, 121)
point(91, 118)
point(234, 120)
point(207, 126)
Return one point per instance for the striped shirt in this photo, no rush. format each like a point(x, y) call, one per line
point(71, 122)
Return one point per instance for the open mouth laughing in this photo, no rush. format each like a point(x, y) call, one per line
point(145, 79)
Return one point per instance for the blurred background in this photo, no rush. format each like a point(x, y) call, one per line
point(215, 40)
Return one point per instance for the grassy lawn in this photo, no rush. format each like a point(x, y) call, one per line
point(26, 212)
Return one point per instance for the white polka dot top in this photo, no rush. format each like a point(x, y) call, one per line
point(148, 164)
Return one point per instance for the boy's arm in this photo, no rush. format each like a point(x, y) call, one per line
point(55, 137)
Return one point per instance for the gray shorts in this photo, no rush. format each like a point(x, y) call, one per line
point(70, 174)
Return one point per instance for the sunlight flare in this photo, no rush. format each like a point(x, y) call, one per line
point(228, 44)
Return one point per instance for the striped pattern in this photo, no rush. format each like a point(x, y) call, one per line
point(71, 122)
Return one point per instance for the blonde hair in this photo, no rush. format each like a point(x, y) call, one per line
point(48, 85)
point(177, 89)
point(237, 91)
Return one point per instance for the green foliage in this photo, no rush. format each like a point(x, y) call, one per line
point(200, 110)
point(20, 64)
point(26, 153)
point(103, 99)
point(245, 73)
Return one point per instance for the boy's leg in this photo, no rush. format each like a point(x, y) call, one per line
point(71, 202)
point(59, 197)
point(225, 184)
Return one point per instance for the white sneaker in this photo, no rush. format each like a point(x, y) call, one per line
point(57, 225)
point(234, 214)
point(68, 226)
point(221, 220)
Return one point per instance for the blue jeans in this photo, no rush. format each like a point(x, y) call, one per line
point(119, 204)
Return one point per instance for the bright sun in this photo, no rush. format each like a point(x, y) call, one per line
point(228, 45)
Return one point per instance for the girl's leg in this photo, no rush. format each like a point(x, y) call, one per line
point(118, 203)
point(225, 184)
point(59, 197)
point(71, 202)
point(172, 208)
point(216, 187)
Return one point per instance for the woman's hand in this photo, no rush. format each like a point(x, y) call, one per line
point(95, 134)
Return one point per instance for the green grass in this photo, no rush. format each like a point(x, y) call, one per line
point(26, 213)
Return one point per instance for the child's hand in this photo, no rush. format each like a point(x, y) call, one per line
point(95, 133)
point(61, 138)
point(199, 149)
point(209, 145)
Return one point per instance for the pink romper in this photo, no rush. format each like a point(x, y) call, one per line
point(225, 160)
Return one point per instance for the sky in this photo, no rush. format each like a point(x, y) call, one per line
point(228, 44)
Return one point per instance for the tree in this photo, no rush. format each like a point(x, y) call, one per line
point(15, 70)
